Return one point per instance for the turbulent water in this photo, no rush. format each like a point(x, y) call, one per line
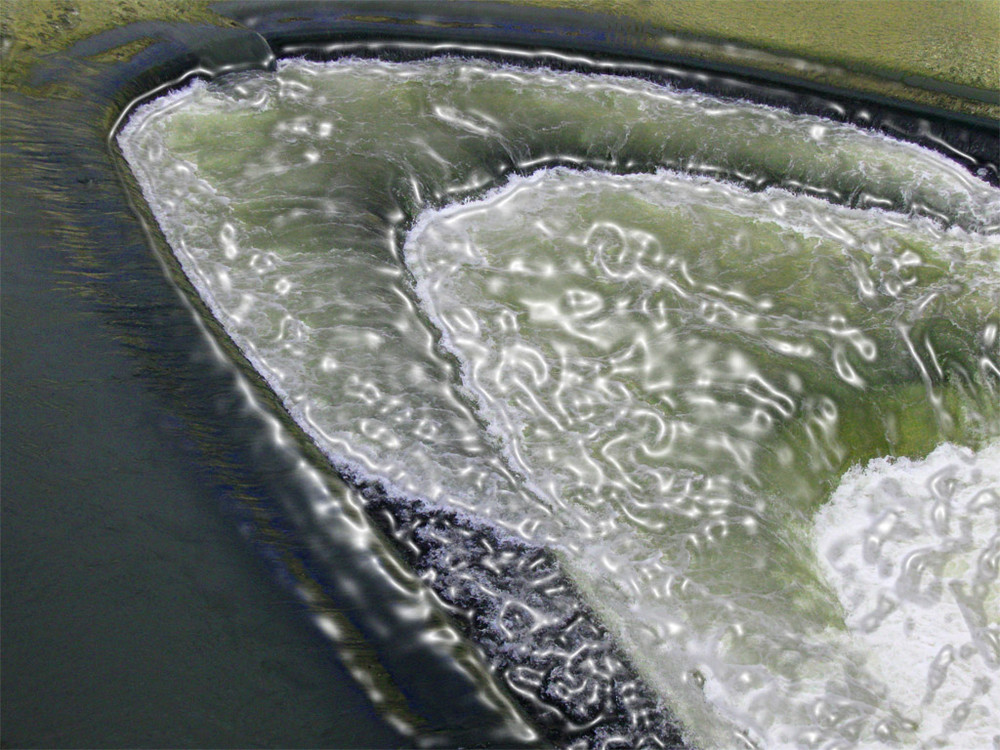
point(732, 371)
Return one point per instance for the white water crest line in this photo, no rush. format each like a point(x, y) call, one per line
point(660, 377)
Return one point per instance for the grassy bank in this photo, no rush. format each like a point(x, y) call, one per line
point(954, 41)
point(931, 52)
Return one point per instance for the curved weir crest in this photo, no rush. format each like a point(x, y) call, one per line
point(670, 341)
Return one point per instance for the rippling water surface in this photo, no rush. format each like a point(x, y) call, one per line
point(731, 372)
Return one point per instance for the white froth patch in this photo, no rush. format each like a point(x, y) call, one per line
point(912, 549)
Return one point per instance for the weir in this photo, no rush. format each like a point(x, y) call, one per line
point(448, 696)
point(646, 380)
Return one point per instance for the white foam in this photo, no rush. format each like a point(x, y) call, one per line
point(911, 548)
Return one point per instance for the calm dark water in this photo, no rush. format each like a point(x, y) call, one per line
point(151, 555)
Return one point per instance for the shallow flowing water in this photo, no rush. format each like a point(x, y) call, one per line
point(676, 342)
